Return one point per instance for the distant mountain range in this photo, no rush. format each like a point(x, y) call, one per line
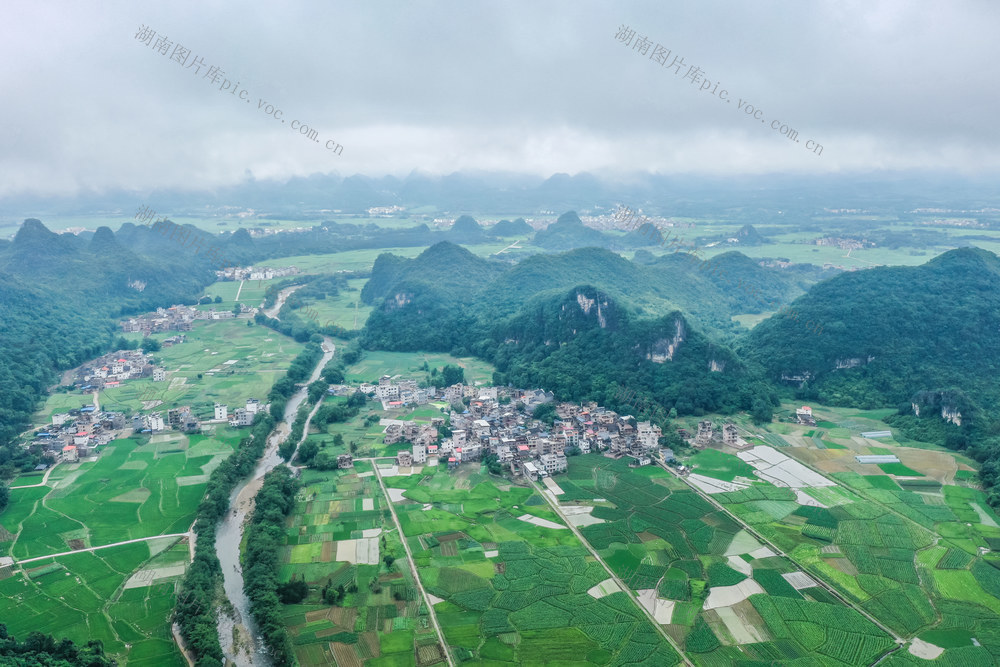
point(755, 200)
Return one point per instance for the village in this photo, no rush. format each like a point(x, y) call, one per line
point(495, 424)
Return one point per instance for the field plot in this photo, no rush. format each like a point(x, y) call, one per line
point(373, 613)
point(912, 560)
point(511, 591)
point(345, 310)
point(676, 551)
point(131, 491)
point(261, 357)
point(83, 597)
point(375, 364)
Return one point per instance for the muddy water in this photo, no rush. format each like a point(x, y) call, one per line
point(241, 643)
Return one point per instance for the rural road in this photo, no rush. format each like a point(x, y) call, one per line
point(621, 584)
point(409, 560)
point(45, 478)
point(103, 546)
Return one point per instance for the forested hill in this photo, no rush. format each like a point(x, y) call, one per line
point(583, 345)
point(889, 332)
point(534, 322)
point(449, 282)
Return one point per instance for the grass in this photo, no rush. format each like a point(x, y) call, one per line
point(114, 499)
point(899, 469)
point(719, 465)
point(375, 364)
point(81, 598)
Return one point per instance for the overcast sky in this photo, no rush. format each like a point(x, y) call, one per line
point(536, 87)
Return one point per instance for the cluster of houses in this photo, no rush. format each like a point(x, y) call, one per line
point(255, 272)
point(495, 426)
point(394, 393)
point(112, 369)
point(707, 434)
point(176, 318)
point(182, 419)
point(77, 434)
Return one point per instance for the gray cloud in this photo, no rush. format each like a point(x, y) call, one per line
point(515, 86)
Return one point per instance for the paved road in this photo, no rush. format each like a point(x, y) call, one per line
point(103, 546)
point(621, 584)
point(413, 568)
point(45, 479)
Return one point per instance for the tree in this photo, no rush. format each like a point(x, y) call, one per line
point(4, 496)
point(293, 592)
point(150, 345)
point(389, 560)
point(761, 411)
point(218, 299)
point(452, 375)
point(237, 309)
point(307, 452)
point(546, 412)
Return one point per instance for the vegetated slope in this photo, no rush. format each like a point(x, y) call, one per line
point(569, 232)
point(448, 287)
point(583, 345)
point(533, 322)
point(924, 338)
point(507, 228)
point(889, 332)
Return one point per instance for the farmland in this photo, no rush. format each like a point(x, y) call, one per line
point(132, 490)
point(718, 591)
point(504, 589)
point(123, 596)
point(506, 584)
point(375, 364)
point(224, 361)
point(337, 541)
point(910, 558)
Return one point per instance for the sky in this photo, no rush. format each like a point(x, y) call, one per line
point(527, 87)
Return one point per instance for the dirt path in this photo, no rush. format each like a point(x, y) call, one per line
point(614, 577)
point(45, 479)
point(103, 546)
point(413, 568)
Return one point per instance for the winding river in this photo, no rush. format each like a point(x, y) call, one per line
point(241, 643)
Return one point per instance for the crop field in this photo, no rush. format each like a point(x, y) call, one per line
point(912, 560)
point(345, 310)
point(335, 543)
point(713, 463)
point(259, 357)
point(511, 591)
point(93, 595)
point(375, 364)
point(718, 591)
point(131, 491)
point(369, 437)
